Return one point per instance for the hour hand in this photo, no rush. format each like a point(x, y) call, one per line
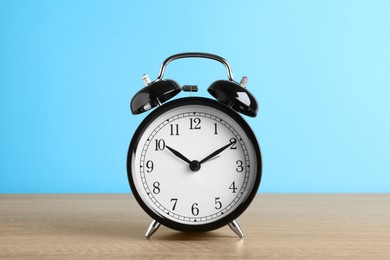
point(178, 154)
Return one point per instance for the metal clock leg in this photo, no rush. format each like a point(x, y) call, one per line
point(152, 228)
point(236, 228)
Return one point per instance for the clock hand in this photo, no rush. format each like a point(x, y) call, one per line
point(178, 154)
point(215, 153)
point(215, 157)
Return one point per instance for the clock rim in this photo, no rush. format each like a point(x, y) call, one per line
point(203, 102)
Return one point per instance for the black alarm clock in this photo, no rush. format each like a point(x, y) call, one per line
point(194, 164)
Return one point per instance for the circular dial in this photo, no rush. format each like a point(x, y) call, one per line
point(194, 164)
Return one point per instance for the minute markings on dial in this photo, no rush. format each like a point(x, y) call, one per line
point(150, 142)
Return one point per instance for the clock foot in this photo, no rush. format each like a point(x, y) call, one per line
point(236, 228)
point(152, 228)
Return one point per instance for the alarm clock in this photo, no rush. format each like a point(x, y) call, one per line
point(194, 164)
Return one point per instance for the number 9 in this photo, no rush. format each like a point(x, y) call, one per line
point(149, 166)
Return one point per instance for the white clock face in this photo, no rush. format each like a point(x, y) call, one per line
point(194, 165)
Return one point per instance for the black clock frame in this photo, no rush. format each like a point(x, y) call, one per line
point(207, 103)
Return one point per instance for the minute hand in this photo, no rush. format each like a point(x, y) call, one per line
point(215, 153)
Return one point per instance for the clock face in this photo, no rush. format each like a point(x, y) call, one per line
point(194, 164)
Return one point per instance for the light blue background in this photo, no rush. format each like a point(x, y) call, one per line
point(319, 69)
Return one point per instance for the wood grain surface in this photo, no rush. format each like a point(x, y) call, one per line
point(279, 226)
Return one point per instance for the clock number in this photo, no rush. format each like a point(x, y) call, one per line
point(215, 129)
point(195, 123)
point(233, 187)
point(240, 166)
point(233, 141)
point(149, 166)
point(194, 209)
point(156, 187)
point(174, 203)
point(174, 129)
point(218, 204)
point(160, 144)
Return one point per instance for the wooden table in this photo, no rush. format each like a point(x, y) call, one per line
point(281, 226)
